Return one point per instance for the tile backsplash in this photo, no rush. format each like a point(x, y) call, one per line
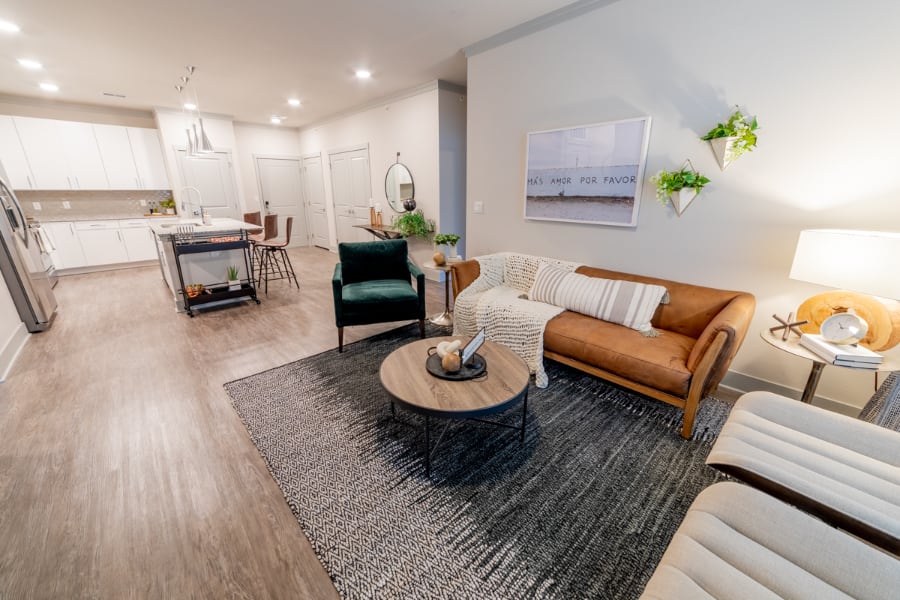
point(83, 204)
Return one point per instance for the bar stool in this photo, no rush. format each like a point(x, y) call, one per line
point(275, 263)
point(270, 231)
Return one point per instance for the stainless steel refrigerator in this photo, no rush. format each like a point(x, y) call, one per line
point(21, 264)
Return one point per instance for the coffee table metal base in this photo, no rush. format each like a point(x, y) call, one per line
point(429, 451)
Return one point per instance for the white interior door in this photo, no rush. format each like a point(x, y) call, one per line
point(314, 192)
point(281, 192)
point(211, 174)
point(351, 190)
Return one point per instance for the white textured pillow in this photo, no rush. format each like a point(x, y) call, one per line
point(624, 302)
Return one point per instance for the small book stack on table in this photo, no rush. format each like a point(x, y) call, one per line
point(842, 355)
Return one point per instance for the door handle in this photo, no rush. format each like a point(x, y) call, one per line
point(28, 179)
point(69, 179)
point(77, 183)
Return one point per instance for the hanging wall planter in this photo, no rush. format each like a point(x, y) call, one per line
point(680, 187)
point(730, 140)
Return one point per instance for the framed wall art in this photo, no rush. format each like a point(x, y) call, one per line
point(588, 174)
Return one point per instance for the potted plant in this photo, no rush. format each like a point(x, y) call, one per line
point(414, 224)
point(169, 205)
point(234, 283)
point(450, 239)
point(679, 186)
point(730, 140)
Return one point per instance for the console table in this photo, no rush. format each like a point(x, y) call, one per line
point(381, 232)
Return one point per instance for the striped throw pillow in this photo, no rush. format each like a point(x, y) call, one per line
point(623, 302)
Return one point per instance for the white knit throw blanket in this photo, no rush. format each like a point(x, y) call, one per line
point(497, 301)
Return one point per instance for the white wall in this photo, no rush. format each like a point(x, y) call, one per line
point(818, 75)
point(407, 125)
point(12, 331)
point(267, 140)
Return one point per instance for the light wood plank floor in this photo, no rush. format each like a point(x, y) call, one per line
point(124, 471)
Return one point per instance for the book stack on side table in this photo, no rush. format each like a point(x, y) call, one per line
point(841, 355)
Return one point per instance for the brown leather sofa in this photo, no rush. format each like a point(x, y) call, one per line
point(701, 330)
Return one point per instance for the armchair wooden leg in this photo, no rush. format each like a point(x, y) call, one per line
point(340, 339)
point(422, 328)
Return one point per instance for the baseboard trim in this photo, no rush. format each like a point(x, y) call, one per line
point(10, 352)
point(741, 383)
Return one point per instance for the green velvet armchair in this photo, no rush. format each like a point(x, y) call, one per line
point(371, 284)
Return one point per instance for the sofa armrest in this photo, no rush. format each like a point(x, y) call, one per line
point(337, 284)
point(464, 273)
point(734, 321)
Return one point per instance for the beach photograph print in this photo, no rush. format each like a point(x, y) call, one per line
point(588, 174)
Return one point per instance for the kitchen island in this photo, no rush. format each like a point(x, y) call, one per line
point(194, 254)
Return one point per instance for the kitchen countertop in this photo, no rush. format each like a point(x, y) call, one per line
point(106, 217)
point(168, 229)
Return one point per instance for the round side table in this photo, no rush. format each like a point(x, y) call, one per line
point(792, 346)
point(445, 319)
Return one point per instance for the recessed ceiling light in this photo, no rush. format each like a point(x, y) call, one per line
point(49, 87)
point(276, 120)
point(30, 64)
point(363, 74)
point(190, 106)
point(293, 102)
point(9, 27)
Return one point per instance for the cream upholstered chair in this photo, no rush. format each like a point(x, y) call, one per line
point(843, 470)
point(739, 543)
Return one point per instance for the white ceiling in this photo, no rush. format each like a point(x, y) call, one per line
point(251, 56)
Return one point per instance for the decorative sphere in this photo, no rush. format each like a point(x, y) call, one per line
point(451, 363)
point(439, 258)
point(409, 204)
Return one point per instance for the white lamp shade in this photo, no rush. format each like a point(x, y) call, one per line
point(859, 261)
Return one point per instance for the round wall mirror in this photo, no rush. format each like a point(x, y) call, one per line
point(399, 188)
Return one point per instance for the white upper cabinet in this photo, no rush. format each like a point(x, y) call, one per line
point(148, 157)
point(46, 156)
point(115, 150)
point(13, 156)
point(86, 171)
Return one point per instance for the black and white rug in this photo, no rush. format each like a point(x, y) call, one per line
point(584, 508)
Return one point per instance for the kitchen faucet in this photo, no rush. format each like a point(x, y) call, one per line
point(199, 210)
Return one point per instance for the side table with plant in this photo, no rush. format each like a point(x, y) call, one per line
point(730, 140)
point(681, 186)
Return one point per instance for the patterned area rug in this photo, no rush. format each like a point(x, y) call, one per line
point(584, 508)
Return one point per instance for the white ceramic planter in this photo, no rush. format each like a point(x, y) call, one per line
point(723, 148)
point(682, 198)
point(234, 285)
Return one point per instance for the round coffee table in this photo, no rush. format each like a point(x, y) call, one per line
point(410, 385)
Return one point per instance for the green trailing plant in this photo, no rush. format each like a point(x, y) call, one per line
point(232, 273)
point(742, 128)
point(446, 238)
point(667, 183)
point(414, 224)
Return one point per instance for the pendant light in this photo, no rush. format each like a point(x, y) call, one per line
point(197, 141)
point(202, 143)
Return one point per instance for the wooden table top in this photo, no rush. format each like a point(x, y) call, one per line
point(404, 376)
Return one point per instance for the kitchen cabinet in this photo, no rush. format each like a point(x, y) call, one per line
point(101, 242)
point(46, 155)
point(118, 160)
point(85, 166)
point(148, 158)
point(140, 241)
point(12, 155)
point(68, 253)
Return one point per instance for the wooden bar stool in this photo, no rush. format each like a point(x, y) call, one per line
point(274, 262)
